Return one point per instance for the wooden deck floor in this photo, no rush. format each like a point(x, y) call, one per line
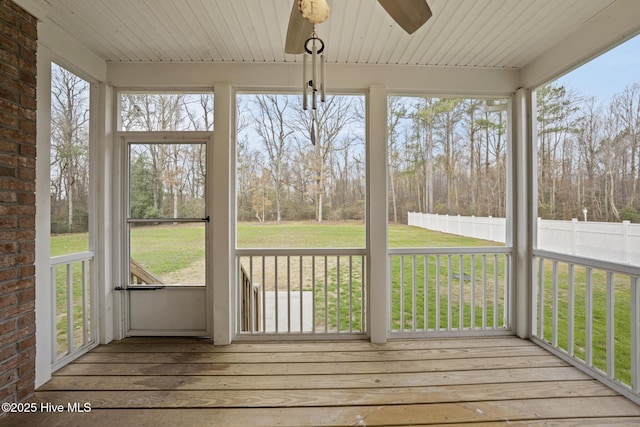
point(186, 382)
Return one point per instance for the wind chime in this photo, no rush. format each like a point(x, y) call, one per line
point(316, 12)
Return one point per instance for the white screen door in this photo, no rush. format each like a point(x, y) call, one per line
point(166, 238)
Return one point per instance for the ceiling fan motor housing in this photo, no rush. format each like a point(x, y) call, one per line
point(314, 11)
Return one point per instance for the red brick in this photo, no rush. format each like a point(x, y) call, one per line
point(7, 352)
point(27, 343)
point(7, 43)
point(28, 101)
point(27, 271)
point(27, 199)
point(8, 146)
point(8, 121)
point(8, 326)
point(8, 300)
point(10, 70)
point(27, 173)
point(8, 247)
point(7, 197)
point(8, 171)
point(27, 246)
point(8, 274)
point(27, 322)
point(27, 148)
point(26, 296)
point(17, 201)
point(8, 17)
point(7, 261)
point(27, 125)
point(16, 285)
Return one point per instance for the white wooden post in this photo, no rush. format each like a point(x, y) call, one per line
point(377, 215)
point(523, 194)
point(223, 222)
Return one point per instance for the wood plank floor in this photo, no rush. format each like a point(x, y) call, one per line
point(188, 382)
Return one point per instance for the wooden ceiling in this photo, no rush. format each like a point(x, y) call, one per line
point(503, 34)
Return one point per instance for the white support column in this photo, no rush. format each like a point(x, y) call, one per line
point(522, 194)
point(222, 212)
point(105, 245)
point(43, 219)
point(377, 214)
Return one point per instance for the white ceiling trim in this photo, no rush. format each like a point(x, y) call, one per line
point(340, 77)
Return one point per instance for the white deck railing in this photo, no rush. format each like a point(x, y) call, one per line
point(301, 291)
point(450, 291)
point(73, 321)
point(588, 312)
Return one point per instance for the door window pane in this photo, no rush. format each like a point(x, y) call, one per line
point(167, 181)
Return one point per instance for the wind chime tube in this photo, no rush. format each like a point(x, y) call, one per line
point(314, 61)
point(305, 83)
point(322, 96)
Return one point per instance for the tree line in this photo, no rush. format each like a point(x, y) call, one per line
point(588, 154)
point(445, 155)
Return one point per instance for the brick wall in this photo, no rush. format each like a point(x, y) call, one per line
point(17, 202)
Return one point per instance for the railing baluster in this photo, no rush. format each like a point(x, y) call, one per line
point(350, 293)
point(253, 303)
point(635, 335)
point(364, 295)
point(313, 293)
point(495, 291)
point(571, 309)
point(541, 298)
point(461, 296)
point(610, 326)
point(473, 291)
point(484, 291)
point(326, 296)
point(589, 317)
point(554, 310)
point(54, 314)
point(449, 293)
point(414, 294)
point(288, 293)
point(85, 304)
point(277, 296)
point(338, 285)
point(506, 302)
point(437, 292)
point(301, 297)
point(426, 293)
point(401, 293)
point(264, 297)
point(69, 309)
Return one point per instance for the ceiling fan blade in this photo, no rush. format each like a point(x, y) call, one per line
point(298, 32)
point(409, 14)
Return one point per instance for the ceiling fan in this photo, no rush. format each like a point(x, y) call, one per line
point(409, 14)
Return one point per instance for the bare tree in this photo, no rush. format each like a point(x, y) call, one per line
point(69, 139)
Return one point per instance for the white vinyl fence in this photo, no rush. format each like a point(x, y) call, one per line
point(617, 242)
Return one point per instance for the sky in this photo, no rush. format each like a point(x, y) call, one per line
point(607, 74)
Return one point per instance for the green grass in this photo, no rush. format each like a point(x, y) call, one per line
point(301, 235)
point(164, 249)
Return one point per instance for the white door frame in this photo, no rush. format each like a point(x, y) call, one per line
point(200, 322)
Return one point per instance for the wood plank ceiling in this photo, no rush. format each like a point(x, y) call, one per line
point(463, 33)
